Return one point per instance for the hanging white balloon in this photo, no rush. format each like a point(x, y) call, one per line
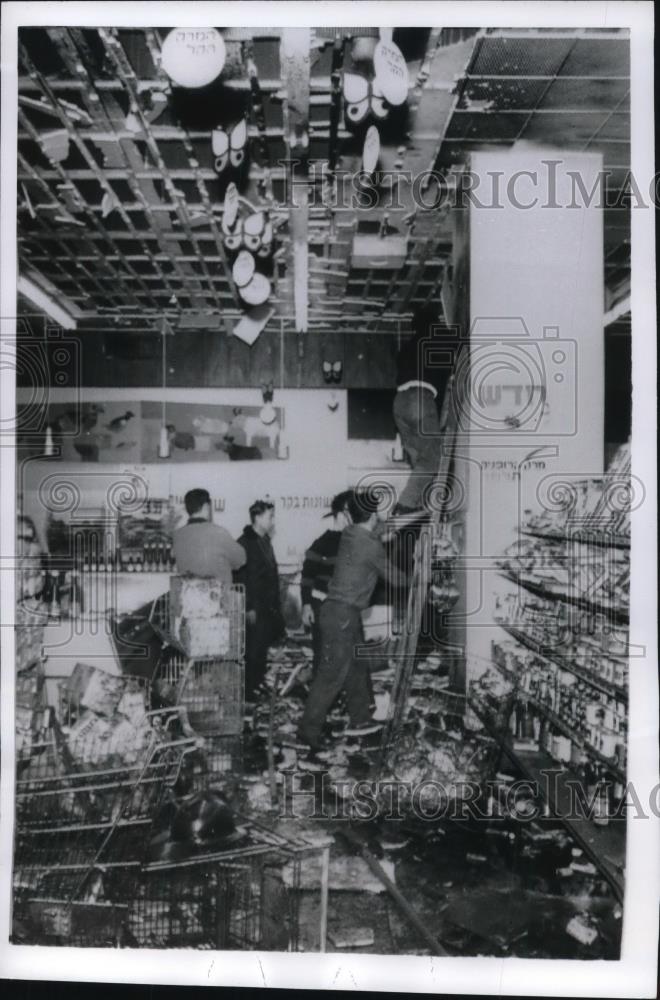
point(193, 57)
point(391, 71)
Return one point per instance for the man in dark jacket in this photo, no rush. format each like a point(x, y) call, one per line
point(264, 623)
point(318, 568)
point(420, 389)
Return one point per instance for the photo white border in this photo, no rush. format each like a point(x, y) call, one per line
point(635, 974)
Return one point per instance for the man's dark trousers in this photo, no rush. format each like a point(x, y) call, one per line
point(339, 669)
point(316, 634)
point(257, 642)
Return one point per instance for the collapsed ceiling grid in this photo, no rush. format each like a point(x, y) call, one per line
point(121, 206)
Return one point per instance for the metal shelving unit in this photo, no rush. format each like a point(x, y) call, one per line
point(605, 846)
point(607, 687)
point(597, 607)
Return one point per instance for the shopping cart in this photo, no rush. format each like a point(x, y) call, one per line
point(209, 691)
point(88, 787)
point(246, 898)
point(85, 807)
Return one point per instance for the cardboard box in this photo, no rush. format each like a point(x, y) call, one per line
point(94, 689)
point(194, 598)
point(205, 637)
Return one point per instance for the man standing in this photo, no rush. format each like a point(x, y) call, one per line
point(361, 560)
point(318, 567)
point(203, 548)
point(421, 386)
point(264, 623)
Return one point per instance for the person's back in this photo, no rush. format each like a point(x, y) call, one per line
point(206, 549)
point(202, 548)
point(360, 561)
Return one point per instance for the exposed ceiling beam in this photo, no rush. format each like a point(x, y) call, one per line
point(295, 64)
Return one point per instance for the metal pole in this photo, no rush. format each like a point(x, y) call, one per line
point(325, 873)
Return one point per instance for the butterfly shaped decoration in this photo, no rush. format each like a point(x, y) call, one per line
point(253, 233)
point(363, 98)
point(332, 371)
point(229, 146)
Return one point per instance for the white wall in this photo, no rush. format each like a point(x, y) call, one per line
point(536, 318)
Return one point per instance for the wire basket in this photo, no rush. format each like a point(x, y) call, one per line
point(85, 907)
point(245, 898)
point(231, 608)
point(231, 901)
point(211, 691)
point(93, 776)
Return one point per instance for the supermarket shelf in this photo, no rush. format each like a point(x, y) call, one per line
point(604, 845)
point(603, 539)
point(621, 614)
point(585, 675)
point(562, 726)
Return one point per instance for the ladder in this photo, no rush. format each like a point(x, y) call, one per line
point(406, 646)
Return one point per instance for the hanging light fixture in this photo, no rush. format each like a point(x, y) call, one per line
point(397, 450)
point(164, 443)
point(267, 413)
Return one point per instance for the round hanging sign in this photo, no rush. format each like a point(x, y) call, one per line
point(371, 149)
point(193, 57)
point(391, 72)
point(256, 291)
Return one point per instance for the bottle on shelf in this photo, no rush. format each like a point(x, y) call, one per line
point(601, 814)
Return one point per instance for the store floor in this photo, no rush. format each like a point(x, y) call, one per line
point(499, 887)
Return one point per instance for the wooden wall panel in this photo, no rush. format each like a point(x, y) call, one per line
point(211, 358)
point(370, 361)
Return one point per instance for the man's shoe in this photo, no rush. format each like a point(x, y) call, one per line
point(363, 729)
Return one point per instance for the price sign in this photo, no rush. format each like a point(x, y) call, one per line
point(391, 72)
point(371, 149)
point(193, 57)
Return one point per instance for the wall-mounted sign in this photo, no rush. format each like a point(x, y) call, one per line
point(193, 57)
point(391, 72)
